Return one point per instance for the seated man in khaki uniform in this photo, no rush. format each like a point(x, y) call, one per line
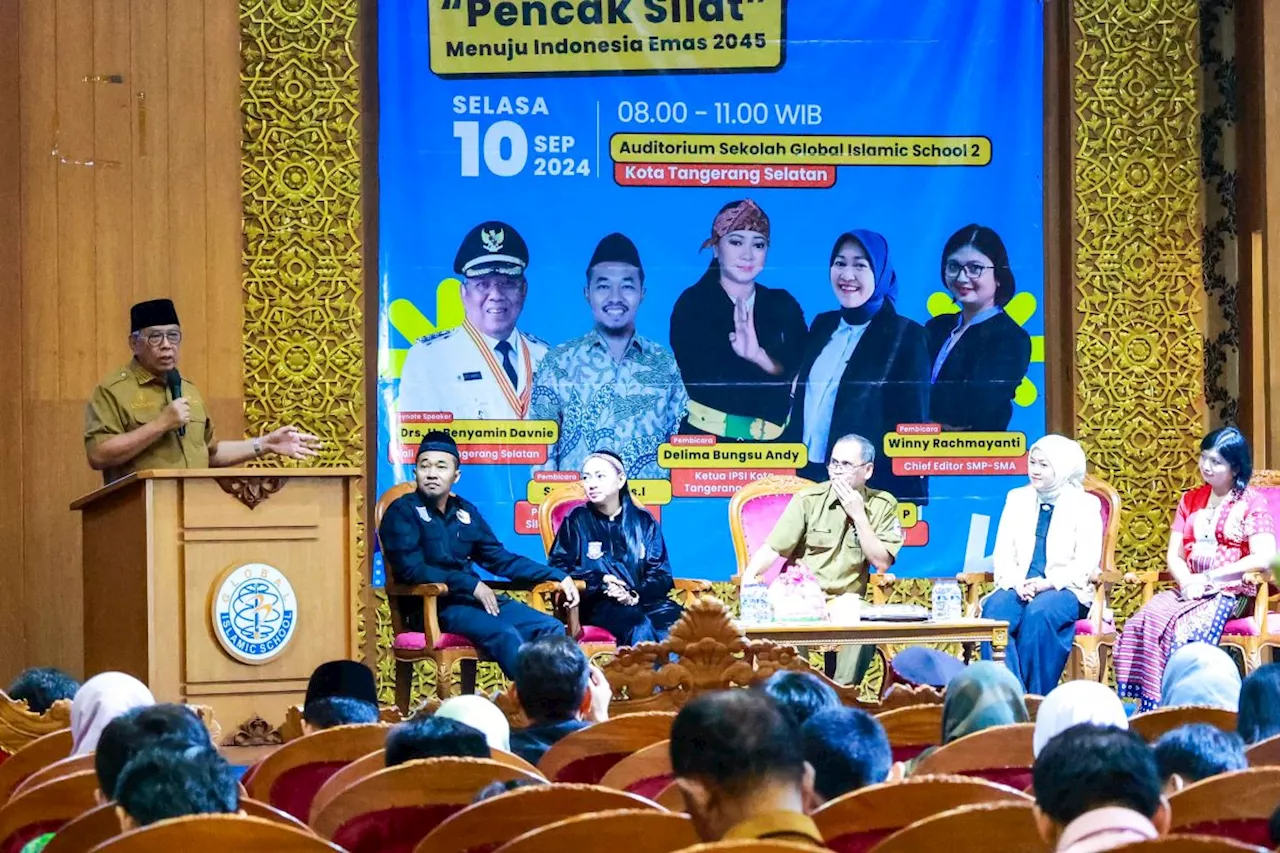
point(145, 415)
point(839, 530)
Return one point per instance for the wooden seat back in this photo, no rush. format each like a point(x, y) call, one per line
point(617, 831)
point(439, 786)
point(1264, 753)
point(586, 755)
point(1188, 844)
point(217, 833)
point(20, 726)
point(1153, 724)
point(46, 808)
point(862, 818)
point(912, 729)
point(646, 772)
point(979, 828)
point(56, 770)
point(493, 822)
point(330, 749)
point(670, 798)
point(749, 845)
point(37, 755)
point(1001, 754)
point(1233, 805)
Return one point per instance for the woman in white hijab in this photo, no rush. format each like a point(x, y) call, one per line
point(99, 701)
point(1074, 703)
point(482, 715)
point(1201, 674)
point(1048, 552)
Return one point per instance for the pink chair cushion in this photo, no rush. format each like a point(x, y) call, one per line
point(1084, 627)
point(393, 830)
point(21, 836)
point(561, 511)
point(651, 786)
point(1244, 627)
point(1246, 830)
point(589, 770)
point(592, 634)
point(1018, 778)
point(416, 641)
point(1272, 494)
point(1106, 508)
point(908, 751)
point(759, 515)
point(859, 842)
point(296, 787)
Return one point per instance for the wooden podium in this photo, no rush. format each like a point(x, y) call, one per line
point(223, 587)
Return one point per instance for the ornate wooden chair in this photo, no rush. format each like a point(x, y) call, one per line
point(912, 730)
point(46, 808)
point(487, 825)
point(1233, 805)
point(1096, 633)
point(748, 845)
point(1257, 633)
point(101, 823)
point(56, 770)
point(1152, 724)
point(645, 772)
point(1264, 753)
point(1001, 754)
point(977, 828)
point(562, 499)
point(35, 756)
point(290, 777)
point(858, 821)
point(19, 725)
point(217, 833)
point(586, 755)
point(1188, 844)
point(373, 762)
point(395, 808)
point(618, 830)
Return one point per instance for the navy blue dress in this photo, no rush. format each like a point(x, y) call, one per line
point(589, 546)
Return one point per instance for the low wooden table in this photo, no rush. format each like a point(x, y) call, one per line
point(966, 631)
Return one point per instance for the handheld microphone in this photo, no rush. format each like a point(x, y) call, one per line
point(174, 380)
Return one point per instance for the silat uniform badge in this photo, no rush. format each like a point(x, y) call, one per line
point(464, 516)
point(595, 550)
point(493, 240)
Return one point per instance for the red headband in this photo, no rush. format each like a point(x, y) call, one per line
point(744, 216)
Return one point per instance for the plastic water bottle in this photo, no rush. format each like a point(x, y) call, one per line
point(753, 605)
point(946, 601)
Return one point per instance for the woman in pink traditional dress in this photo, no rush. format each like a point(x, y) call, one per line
point(1223, 529)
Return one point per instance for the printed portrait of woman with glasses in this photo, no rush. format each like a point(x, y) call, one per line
point(979, 356)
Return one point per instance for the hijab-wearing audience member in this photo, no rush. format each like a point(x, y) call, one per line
point(433, 737)
point(340, 693)
point(560, 692)
point(1201, 674)
point(800, 695)
point(159, 784)
point(1197, 751)
point(847, 749)
point(984, 695)
point(1073, 703)
point(481, 714)
point(41, 686)
point(740, 767)
point(1097, 788)
point(99, 701)
point(1260, 705)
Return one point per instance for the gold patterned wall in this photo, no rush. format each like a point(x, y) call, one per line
point(303, 263)
point(1139, 371)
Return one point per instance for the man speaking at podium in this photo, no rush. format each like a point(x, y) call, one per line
point(146, 415)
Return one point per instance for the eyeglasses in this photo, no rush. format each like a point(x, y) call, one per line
point(505, 285)
point(973, 269)
point(174, 336)
point(838, 465)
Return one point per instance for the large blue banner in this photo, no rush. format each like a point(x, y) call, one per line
point(713, 236)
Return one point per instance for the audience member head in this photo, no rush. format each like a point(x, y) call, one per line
point(497, 789)
point(1089, 767)
point(552, 680)
point(482, 715)
point(847, 749)
point(735, 754)
point(41, 686)
point(99, 701)
point(800, 695)
point(158, 784)
point(1260, 704)
point(340, 692)
point(1197, 751)
point(986, 694)
point(920, 666)
point(1073, 703)
point(1201, 674)
point(172, 727)
point(433, 737)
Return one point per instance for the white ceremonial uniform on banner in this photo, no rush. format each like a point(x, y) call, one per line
point(450, 372)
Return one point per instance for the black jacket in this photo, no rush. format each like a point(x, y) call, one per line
point(885, 383)
point(647, 573)
point(974, 389)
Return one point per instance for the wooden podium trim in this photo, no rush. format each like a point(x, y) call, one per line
point(209, 474)
point(251, 491)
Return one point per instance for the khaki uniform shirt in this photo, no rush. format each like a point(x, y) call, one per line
point(782, 826)
point(814, 529)
point(130, 397)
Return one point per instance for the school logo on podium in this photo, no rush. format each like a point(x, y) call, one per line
point(254, 612)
